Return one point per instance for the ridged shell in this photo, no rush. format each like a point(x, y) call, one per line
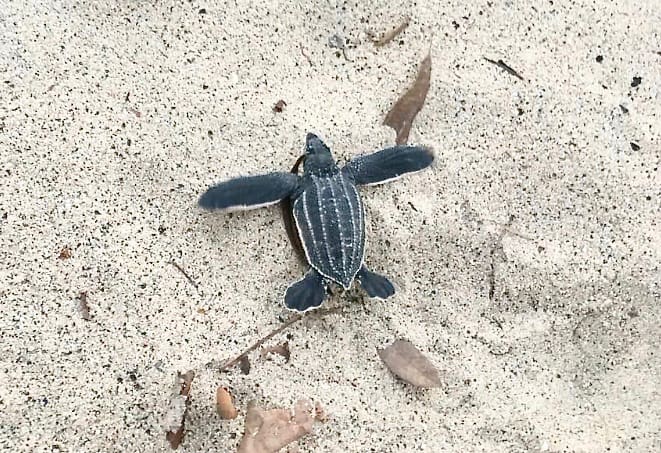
point(331, 224)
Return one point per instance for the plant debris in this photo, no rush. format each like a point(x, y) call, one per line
point(225, 404)
point(230, 363)
point(392, 34)
point(185, 274)
point(406, 362)
point(65, 253)
point(175, 418)
point(244, 364)
point(293, 319)
point(501, 64)
point(280, 349)
point(268, 431)
point(279, 106)
point(305, 55)
point(401, 115)
point(83, 306)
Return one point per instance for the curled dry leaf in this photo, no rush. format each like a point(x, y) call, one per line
point(406, 362)
point(280, 349)
point(268, 431)
point(225, 404)
point(175, 417)
point(401, 115)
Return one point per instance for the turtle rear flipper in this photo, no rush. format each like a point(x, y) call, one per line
point(375, 285)
point(389, 164)
point(249, 192)
point(307, 293)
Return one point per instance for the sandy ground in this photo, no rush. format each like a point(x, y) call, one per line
point(526, 260)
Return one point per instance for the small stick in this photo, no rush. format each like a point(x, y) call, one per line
point(389, 36)
point(501, 64)
point(261, 341)
point(188, 277)
point(297, 317)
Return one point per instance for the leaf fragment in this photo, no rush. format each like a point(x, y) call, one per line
point(392, 34)
point(279, 106)
point(280, 349)
point(225, 404)
point(175, 418)
point(268, 431)
point(405, 361)
point(65, 253)
point(244, 364)
point(401, 115)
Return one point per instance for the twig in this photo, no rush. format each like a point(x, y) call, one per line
point(498, 247)
point(392, 34)
point(295, 318)
point(261, 341)
point(307, 57)
point(501, 64)
point(188, 277)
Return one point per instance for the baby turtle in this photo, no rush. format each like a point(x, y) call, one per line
point(328, 213)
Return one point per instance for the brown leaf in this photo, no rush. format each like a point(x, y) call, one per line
point(406, 362)
point(65, 253)
point(268, 431)
point(392, 34)
point(225, 405)
point(401, 115)
point(83, 306)
point(175, 417)
point(281, 349)
point(279, 106)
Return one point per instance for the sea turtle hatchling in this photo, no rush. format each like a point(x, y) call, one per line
point(328, 213)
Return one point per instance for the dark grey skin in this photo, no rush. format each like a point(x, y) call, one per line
point(328, 211)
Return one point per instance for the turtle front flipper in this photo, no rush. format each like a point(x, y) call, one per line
point(375, 285)
point(307, 293)
point(249, 192)
point(389, 164)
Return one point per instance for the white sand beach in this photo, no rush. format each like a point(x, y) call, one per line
point(526, 260)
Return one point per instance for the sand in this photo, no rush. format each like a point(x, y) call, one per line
point(526, 260)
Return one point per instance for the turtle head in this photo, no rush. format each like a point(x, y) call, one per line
point(318, 157)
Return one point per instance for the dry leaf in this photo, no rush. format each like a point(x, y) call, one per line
point(83, 306)
point(392, 34)
point(401, 115)
point(244, 364)
point(281, 349)
point(175, 417)
point(225, 405)
point(279, 106)
point(268, 431)
point(65, 253)
point(406, 362)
